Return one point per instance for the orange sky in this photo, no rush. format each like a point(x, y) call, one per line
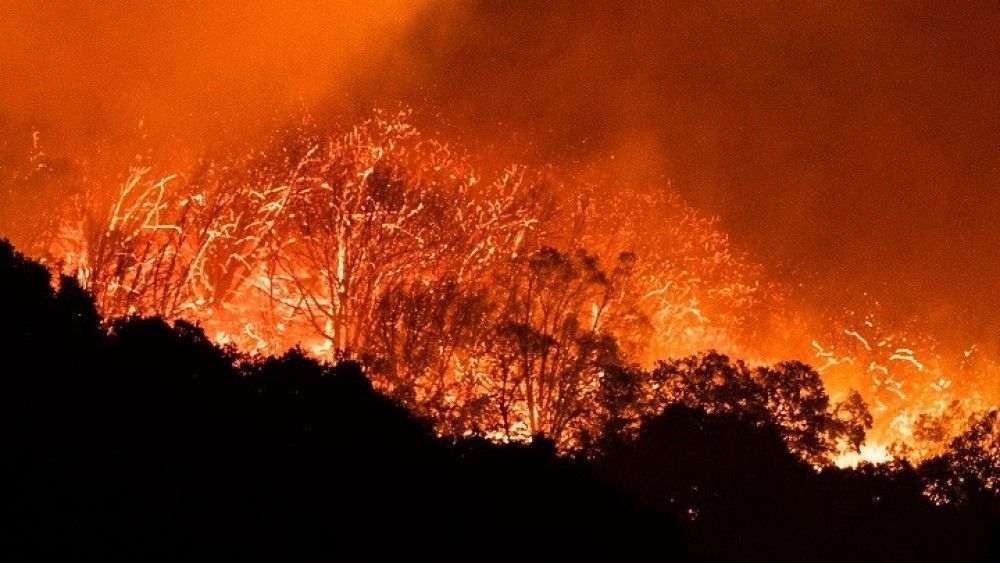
point(848, 146)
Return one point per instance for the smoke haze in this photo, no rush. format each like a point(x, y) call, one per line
point(849, 147)
point(86, 70)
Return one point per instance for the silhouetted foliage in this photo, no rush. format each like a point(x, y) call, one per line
point(744, 497)
point(970, 468)
point(789, 395)
point(141, 439)
point(149, 441)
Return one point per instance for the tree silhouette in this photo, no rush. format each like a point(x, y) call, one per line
point(150, 440)
point(551, 344)
point(139, 438)
point(970, 468)
point(789, 394)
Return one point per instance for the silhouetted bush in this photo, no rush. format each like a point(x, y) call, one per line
point(142, 439)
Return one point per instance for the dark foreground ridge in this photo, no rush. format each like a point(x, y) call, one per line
point(147, 441)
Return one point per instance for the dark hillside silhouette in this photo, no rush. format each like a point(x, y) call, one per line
point(744, 497)
point(141, 439)
point(149, 441)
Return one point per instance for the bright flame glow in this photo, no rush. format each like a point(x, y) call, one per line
point(329, 240)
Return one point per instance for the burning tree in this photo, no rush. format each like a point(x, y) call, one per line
point(479, 301)
point(551, 344)
point(690, 290)
point(379, 209)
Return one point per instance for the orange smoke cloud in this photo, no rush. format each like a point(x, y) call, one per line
point(87, 70)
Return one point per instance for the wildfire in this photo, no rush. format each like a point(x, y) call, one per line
point(488, 302)
point(921, 396)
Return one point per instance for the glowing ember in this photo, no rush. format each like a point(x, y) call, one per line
point(467, 294)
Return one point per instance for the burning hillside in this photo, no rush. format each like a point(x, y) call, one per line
point(496, 301)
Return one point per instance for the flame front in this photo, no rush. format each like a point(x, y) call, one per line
point(488, 302)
